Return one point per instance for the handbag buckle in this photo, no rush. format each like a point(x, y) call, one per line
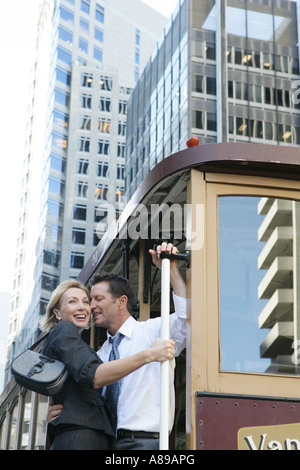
point(39, 367)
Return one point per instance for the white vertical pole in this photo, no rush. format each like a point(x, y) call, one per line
point(164, 367)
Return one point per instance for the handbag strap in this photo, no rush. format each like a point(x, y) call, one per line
point(39, 341)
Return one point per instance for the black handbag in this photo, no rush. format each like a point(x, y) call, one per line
point(38, 372)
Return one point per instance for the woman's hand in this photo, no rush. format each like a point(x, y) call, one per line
point(161, 350)
point(54, 411)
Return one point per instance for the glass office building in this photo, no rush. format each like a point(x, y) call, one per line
point(228, 71)
point(225, 71)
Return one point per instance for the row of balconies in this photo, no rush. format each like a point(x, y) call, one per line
point(277, 259)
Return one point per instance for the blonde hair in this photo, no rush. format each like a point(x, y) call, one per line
point(49, 320)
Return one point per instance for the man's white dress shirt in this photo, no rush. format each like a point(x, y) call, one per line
point(139, 400)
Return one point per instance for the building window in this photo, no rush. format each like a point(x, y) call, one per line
point(106, 83)
point(59, 141)
point(60, 119)
point(65, 35)
point(81, 189)
point(26, 420)
point(85, 123)
point(86, 101)
point(211, 122)
point(210, 51)
point(197, 83)
point(43, 306)
point(63, 76)
point(104, 125)
point(99, 14)
point(77, 260)
point(211, 88)
point(121, 152)
point(64, 56)
point(49, 282)
point(13, 428)
point(52, 258)
point(84, 144)
point(269, 131)
point(56, 186)
point(41, 429)
point(230, 124)
point(256, 128)
point(98, 35)
point(119, 194)
point(83, 166)
point(103, 147)
point(53, 233)
point(83, 26)
point(100, 214)
point(242, 126)
point(85, 6)
point(122, 107)
point(101, 191)
point(120, 172)
point(79, 212)
point(137, 37)
point(198, 119)
point(78, 236)
point(102, 169)
point(57, 163)
point(122, 128)
point(55, 209)
point(86, 80)
point(241, 91)
point(61, 97)
point(105, 104)
point(284, 133)
point(83, 46)
point(98, 54)
point(66, 16)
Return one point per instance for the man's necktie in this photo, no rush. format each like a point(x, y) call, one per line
point(113, 390)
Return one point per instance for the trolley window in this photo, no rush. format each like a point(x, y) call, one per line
point(258, 256)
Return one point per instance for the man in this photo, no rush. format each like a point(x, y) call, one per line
point(138, 411)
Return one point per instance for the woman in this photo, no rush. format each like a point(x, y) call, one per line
point(84, 423)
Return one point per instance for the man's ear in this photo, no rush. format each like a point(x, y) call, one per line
point(123, 301)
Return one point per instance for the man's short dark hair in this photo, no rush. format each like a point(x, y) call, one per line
point(118, 286)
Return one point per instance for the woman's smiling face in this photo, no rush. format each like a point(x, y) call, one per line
point(75, 307)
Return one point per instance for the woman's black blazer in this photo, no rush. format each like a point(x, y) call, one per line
point(82, 404)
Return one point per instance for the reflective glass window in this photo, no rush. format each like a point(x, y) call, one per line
point(77, 260)
point(66, 15)
point(26, 420)
point(3, 434)
point(64, 56)
point(63, 76)
point(79, 212)
point(41, 425)
point(83, 46)
point(98, 34)
point(65, 35)
point(258, 256)
point(13, 428)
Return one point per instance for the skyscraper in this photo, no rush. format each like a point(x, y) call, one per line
point(228, 71)
point(223, 71)
point(89, 55)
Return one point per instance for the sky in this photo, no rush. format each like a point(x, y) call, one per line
point(17, 38)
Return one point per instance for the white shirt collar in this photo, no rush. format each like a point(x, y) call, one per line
point(127, 328)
